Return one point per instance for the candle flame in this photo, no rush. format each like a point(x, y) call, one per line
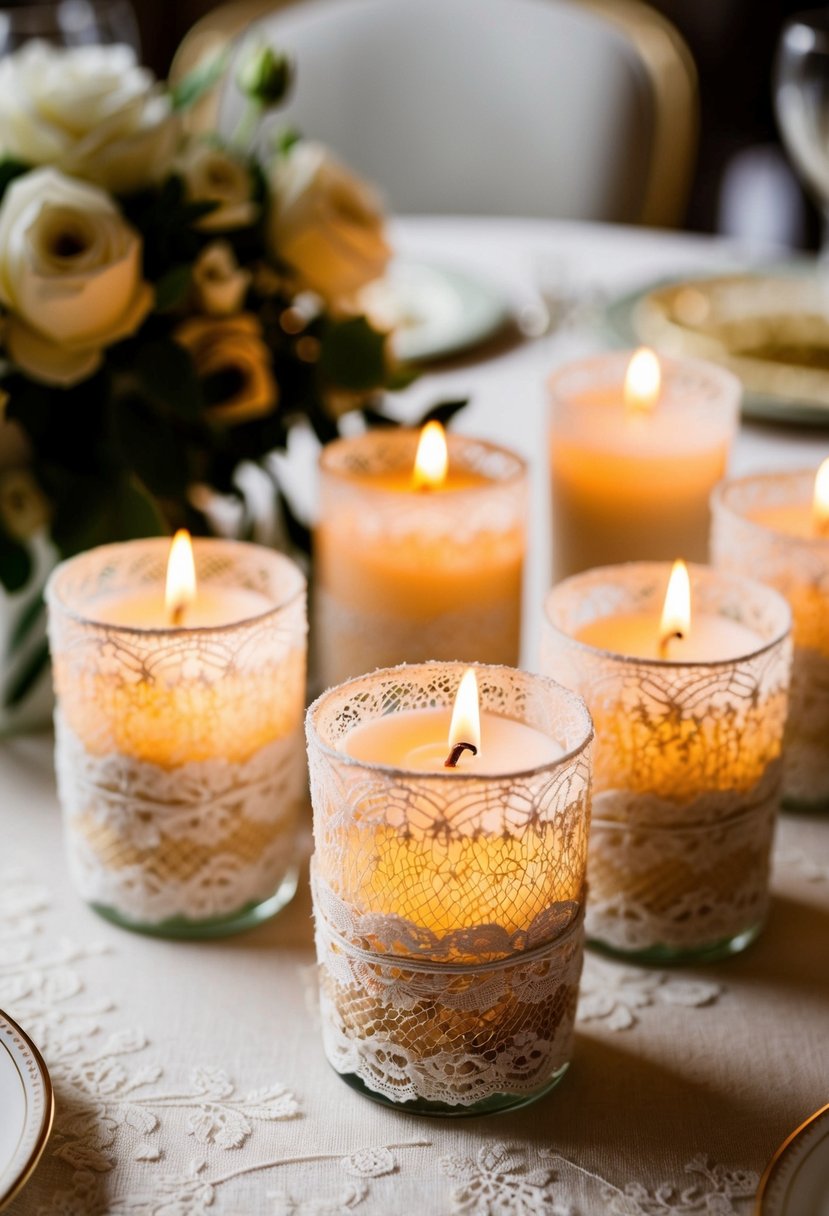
point(642, 382)
point(432, 459)
point(465, 726)
point(181, 576)
point(820, 503)
point(676, 611)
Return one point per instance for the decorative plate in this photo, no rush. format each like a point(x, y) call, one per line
point(434, 311)
point(796, 1181)
point(771, 329)
point(27, 1107)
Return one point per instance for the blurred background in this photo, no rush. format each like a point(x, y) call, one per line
point(743, 185)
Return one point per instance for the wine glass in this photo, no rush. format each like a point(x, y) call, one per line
point(801, 98)
point(69, 23)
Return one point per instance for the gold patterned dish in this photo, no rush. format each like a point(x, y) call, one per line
point(771, 329)
point(27, 1107)
point(796, 1180)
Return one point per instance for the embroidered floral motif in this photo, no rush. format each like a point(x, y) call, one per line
point(613, 994)
point(713, 1193)
point(496, 1184)
point(802, 864)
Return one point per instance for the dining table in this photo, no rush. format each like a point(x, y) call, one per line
point(189, 1076)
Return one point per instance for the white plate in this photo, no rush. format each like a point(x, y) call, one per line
point(27, 1107)
point(781, 302)
point(434, 311)
point(796, 1181)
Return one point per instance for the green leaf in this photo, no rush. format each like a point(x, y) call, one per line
point(172, 287)
point(199, 81)
point(401, 377)
point(29, 619)
point(15, 564)
point(9, 170)
point(443, 412)
point(285, 139)
point(25, 680)
point(167, 375)
point(353, 355)
point(96, 513)
point(151, 448)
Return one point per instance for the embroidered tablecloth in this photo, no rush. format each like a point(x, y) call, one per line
point(190, 1076)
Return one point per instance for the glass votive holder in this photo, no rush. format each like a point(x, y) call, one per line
point(449, 903)
point(179, 750)
point(762, 526)
point(633, 484)
point(687, 762)
point(403, 574)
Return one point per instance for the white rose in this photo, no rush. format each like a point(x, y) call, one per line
point(70, 276)
point(325, 223)
point(90, 111)
point(212, 175)
point(219, 282)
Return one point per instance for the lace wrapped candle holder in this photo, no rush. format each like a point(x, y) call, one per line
point(624, 487)
point(179, 750)
point(403, 575)
point(449, 905)
point(753, 520)
point(687, 764)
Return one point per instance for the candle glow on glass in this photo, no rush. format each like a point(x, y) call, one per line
point(820, 502)
point(643, 381)
point(180, 587)
point(432, 459)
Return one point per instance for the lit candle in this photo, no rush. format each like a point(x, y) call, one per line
point(775, 526)
point(688, 740)
point(671, 636)
point(179, 601)
point(426, 740)
point(179, 730)
point(636, 446)
point(419, 552)
point(450, 844)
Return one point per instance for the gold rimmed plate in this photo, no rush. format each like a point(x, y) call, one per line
point(771, 328)
point(796, 1180)
point(27, 1108)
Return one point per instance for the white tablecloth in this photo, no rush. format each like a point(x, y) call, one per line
point(190, 1077)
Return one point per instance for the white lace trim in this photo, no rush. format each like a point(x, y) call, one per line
point(411, 1028)
point(679, 876)
point(199, 841)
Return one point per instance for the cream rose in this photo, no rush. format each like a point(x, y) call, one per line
point(90, 111)
point(70, 276)
point(219, 282)
point(234, 348)
point(325, 223)
point(212, 175)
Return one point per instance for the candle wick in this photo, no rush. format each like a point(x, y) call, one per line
point(177, 614)
point(457, 751)
point(663, 642)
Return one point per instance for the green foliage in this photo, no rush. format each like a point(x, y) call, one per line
point(353, 355)
point(199, 82)
point(15, 564)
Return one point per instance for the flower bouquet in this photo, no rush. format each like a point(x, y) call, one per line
point(171, 308)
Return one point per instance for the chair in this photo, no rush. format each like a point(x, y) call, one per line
point(574, 109)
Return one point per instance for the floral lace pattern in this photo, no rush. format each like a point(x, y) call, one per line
point(200, 842)
point(615, 995)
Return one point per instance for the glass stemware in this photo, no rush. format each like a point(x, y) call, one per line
point(801, 97)
point(69, 23)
